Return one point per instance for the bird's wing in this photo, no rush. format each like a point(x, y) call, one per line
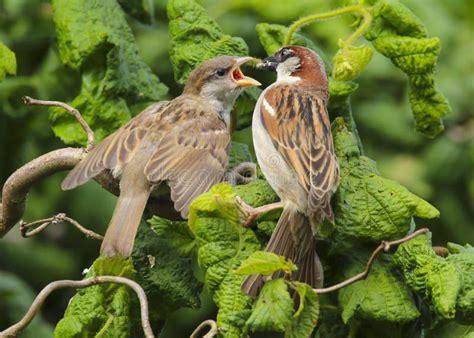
point(116, 149)
point(192, 157)
point(298, 124)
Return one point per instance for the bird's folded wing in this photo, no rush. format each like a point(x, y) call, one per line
point(191, 158)
point(299, 126)
point(115, 150)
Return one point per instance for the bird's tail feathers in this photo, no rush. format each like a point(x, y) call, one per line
point(123, 227)
point(292, 238)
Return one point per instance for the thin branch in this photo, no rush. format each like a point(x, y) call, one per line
point(39, 300)
point(59, 218)
point(213, 330)
point(15, 190)
point(384, 246)
point(73, 111)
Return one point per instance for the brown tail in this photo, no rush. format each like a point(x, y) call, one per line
point(292, 238)
point(123, 227)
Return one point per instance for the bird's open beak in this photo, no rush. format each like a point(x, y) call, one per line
point(239, 77)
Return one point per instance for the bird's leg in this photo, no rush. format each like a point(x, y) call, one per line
point(253, 213)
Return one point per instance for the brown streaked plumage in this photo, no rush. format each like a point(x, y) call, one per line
point(183, 142)
point(294, 147)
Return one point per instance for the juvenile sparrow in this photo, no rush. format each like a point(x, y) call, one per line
point(183, 142)
point(294, 147)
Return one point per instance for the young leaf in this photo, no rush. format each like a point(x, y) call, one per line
point(399, 35)
point(306, 316)
point(273, 309)
point(94, 37)
point(367, 206)
point(265, 263)
point(350, 62)
point(196, 37)
point(162, 257)
point(381, 297)
point(7, 61)
point(100, 308)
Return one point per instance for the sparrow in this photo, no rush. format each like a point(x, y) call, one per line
point(184, 143)
point(295, 151)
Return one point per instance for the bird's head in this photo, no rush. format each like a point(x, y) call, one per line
point(297, 62)
point(220, 79)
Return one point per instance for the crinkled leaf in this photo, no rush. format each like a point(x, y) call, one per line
point(100, 309)
point(464, 263)
point(7, 61)
point(367, 206)
point(175, 233)
point(162, 256)
point(218, 201)
point(222, 245)
point(432, 276)
point(244, 106)
point(265, 263)
point(306, 316)
point(399, 35)
point(196, 37)
point(273, 309)
point(349, 62)
point(94, 37)
point(382, 296)
point(15, 299)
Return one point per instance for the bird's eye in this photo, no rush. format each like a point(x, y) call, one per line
point(220, 72)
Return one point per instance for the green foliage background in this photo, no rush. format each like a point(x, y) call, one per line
point(439, 170)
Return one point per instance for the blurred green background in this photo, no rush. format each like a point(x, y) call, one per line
point(439, 170)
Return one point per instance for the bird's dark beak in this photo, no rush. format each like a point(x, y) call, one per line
point(269, 63)
point(239, 78)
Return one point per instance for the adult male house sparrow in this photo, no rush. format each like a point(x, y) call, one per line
point(184, 142)
point(294, 147)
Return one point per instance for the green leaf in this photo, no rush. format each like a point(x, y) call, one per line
point(162, 256)
point(306, 316)
point(16, 298)
point(100, 309)
point(464, 263)
point(218, 201)
point(446, 281)
point(368, 207)
point(399, 35)
point(222, 245)
point(7, 62)
point(239, 152)
point(382, 296)
point(265, 263)
point(244, 106)
point(196, 37)
point(273, 309)
point(94, 38)
point(349, 62)
point(175, 233)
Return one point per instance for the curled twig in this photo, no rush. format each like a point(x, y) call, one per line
point(213, 329)
point(39, 300)
point(59, 218)
point(242, 173)
point(73, 111)
point(384, 246)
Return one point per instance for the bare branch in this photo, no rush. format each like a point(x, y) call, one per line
point(73, 111)
point(212, 331)
point(39, 300)
point(384, 246)
point(59, 218)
